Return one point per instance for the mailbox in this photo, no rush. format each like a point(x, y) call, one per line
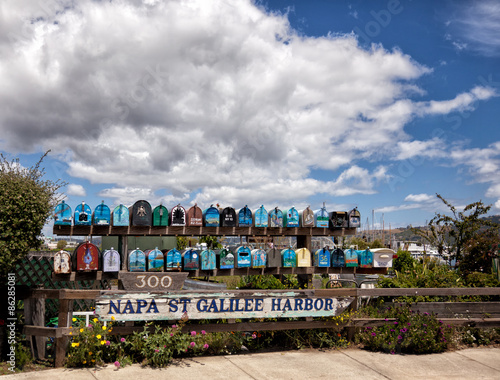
point(275, 218)
point(243, 257)
point(87, 257)
point(141, 214)
point(62, 262)
point(178, 216)
point(321, 218)
point(307, 217)
point(322, 257)
point(259, 258)
point(365, 258)
point(111, 260)
point(292, 218)
point(173, 260)
point(83, 215)
point(261, 217)
point(160, 216)
point(354, 218)
point(136, 261)
point(338, 259)
point(228, 217)
point(102, 215)
point(194, 216)
point(339, 219)
point(382, 257)
point(303, 257)
point(225, 259)
point(120, 216)
point(274, 258)
point(155, 260)
point(191, 259)
point(288, 258)
point(63, 215)
point(245, 217)
point(211, 217)
point(351, 257)
point(208, 259)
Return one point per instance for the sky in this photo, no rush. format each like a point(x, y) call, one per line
point(378, 105)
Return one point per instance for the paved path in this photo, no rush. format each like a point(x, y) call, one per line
point(477, 363)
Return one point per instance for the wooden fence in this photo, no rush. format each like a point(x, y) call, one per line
point(483, 314)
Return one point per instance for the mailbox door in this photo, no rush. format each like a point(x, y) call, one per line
point(307, 217)
point(261, 217)
point(207, 259)
point(259, 258)
point(141, 214)
point(322, 258)
point(137, 261)
point(178, 216)
point(160, 216)
point(62, 262)
point(273, 258)
point(211, 217)
point(245, 217)
point(354, 218)
point(121, 216)
point(338, 259)
point(228, 217)
point(194, 217)
point(321, 217)
point(243, 257)
point(87, 257)
point(289, 258)
point(351, 258)
point(365, 258)
point(292, 218)
point(102, 215)
point(275, 218)
point(83, 215)
point(63, 215)
point(155, 260)
point(111, 261)
point(303, 257)
point(173, 260)
point(339, 219)
point(191, 259)
point(226, 259)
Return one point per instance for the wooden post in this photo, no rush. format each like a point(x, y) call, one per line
point(351, 331)
point(34, 314)
point(64, 320)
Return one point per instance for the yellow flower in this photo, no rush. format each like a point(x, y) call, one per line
point(75, 344)
point(93, 360)
point(74, 319)
point(98, 336)
point(103, 342)
point(110, 329)
point(81, 330)
point(95, 320)
point(90, 353)
point(104, 327)
point(70, 333)
point(113, 318)
point(84, 361)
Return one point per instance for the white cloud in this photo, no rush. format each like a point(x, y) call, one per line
point(420, 198)
point(434, 148)
point(76, 190)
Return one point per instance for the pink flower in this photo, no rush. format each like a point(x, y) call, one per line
point(174, 326)
point(254, 336)
point(192, 344)
point(203, 332)
point(117, 364)
point(171, 334)
point(108, 343)
point(156, 350)
point(193, 333)
point(205, 346)
point(122, 340)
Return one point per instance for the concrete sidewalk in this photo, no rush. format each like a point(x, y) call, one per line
point(476, 363)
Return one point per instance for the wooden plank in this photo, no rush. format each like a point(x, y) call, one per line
point(30, 330)
point(472, 322)
point(152, 281)
point(65, 308)
point(398, 292)
point(459, 309)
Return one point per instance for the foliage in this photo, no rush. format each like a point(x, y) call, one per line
point(481, 280)
point(411, 333)
point(403, 261)
point(182, 242)
point(357, 241)
point(473, 336)
point(479, 252)
point(268, 282)
point(211, 241)
point(61, 244)
point(26, 201)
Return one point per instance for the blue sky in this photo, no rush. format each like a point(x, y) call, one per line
point(371, 104)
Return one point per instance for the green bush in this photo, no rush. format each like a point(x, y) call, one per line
point(410, 332)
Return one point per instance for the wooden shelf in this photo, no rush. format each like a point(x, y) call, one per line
point(198, 231)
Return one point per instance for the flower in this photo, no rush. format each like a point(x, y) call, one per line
point(171, 334)
point(113, 318)
point(254, 336)
point(174, 326)
point(74, 319)
point(103, 342)
point(122, 340)
point(104, 327)
point(117, 364)
point(156, 350)
point(81, 330)
point(193, 333)
point(108, 343)
point(98, 336)
point(203, 332)
point(205, 346)
point(192, 344)
point(95, 320)
point(374, 334)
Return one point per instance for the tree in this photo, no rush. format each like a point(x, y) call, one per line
point(26, 202)
point(61, 244)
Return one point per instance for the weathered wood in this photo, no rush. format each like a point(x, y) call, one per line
point(42, 331)
point(398, 292)
point(464, 322)
point(152, 281)
point(34, 314)
point(64, 320)
point(459, 309)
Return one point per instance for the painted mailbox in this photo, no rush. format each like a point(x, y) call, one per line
point(62, 262)
point(261, 217)
point(160, 216)
point(191, 259)
point(111, 260)
point(339, 219)
point(225, 259)
point(365, 258)
point(228, 217)
point(292, 218)
point(63, 215)
point(307, 217)
point(208, 259)
point(275, 218)
point(288, 258)
point(245, 217)
point(273, 257)
point(137, 261)
point(87, 257)
point(259, 258)
point(303, 257)
point(141, 214)
point(351, 257)
point(322, 257)
point(338, 259)
point(121, 216)
point(211, 217)
point(382, 257)
point(194, 217)
point(354, 218)
point(173, 260)
point(321, 218)
point(178, 216)
point(102, 215)
point(243, 257)
point(83, 215)
point(155, 260)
